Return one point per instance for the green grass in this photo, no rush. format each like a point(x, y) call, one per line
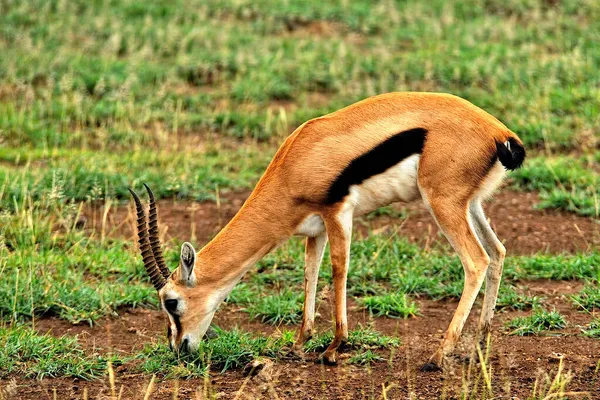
point(135, 66)
point(229, 349)
point(283, 308)
point(564, 182)
point(100, 96)
point(390, 305)
point(26, 353)
point(511, 299)
point(193, 98)
point(363, 337)
point(539, 321)
point(88, 175)
point(588, 298)
point(387, 211)
point(234, 349)
point(366, 357)
point(593, 329)
point(52, 268)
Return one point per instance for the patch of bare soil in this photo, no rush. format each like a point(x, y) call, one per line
point(324, 29)
point(523, 228)
point(516, 361)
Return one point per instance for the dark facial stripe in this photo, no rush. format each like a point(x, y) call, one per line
point(177, 327)
point(376, 161)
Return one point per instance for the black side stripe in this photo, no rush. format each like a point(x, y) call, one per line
point(376, 161)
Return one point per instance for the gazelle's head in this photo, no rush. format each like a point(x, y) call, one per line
point(189, 304)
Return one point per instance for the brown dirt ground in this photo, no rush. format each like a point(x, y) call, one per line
point(523, 228)
point(516, 361)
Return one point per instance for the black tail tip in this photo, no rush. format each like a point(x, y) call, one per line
point(511, 154)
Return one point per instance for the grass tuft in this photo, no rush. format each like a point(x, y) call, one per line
point(510, 299)
point(366, 357)
point(363, 337)
point(390, 305)
point(28, 353)
point(588, 298)
point(541, 320)
point(593, 329)
point(228, 350)
point(284, 308)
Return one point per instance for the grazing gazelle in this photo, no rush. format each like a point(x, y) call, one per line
point(387, 148)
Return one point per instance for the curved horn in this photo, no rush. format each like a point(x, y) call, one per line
point(154, 240)
point(149, 263)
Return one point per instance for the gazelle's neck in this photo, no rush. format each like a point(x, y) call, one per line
point(260, 226)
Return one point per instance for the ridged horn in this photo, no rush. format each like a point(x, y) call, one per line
point(154, 240)
point(149, 263)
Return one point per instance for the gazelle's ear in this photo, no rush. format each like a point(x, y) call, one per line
point(188, 260)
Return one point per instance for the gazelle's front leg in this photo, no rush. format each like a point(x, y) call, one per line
point(315, 247)
point(339, 231)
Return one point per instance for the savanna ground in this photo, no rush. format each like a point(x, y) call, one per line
point(193, 98)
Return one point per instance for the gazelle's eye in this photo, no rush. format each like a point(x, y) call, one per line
point(171, 305)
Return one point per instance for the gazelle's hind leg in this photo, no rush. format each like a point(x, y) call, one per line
point(497, 252)
point(313, 256)
point(451, 214)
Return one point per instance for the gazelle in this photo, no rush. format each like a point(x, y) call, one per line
point(388, 148)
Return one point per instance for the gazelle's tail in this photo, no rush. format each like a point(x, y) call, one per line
point(510, 153)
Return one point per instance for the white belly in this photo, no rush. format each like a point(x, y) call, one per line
point(398, 183)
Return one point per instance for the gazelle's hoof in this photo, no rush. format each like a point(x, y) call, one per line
point(296, 353)
point(328, 358)
point(430, 367)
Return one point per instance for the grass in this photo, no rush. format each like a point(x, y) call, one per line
point(588, 298)
point(229, 349)
point(564, 182)
point(27, 353)
point(234, 349)
point(390, 305)
point(510, 299)
point(52, 268)
point(276, 309)
point(193, 98)
point(593, 329)
point(89, 175)
point(366, 357)
point(539, 321)
point(132, 76)
point(387, 211)
point(364, 337)
point(171, 76)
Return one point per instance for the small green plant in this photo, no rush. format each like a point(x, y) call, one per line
point(593, 329)
point(510, 299)
point(588, 298)
point(363, 337)
point(364, 358)
point(390, 305)
point(285, 308)
point(541, 320)
point(230, 349)
point(26, 352)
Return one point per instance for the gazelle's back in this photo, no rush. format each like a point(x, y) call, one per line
point(312, 158)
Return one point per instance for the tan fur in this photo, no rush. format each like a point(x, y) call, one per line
point(452, 173)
